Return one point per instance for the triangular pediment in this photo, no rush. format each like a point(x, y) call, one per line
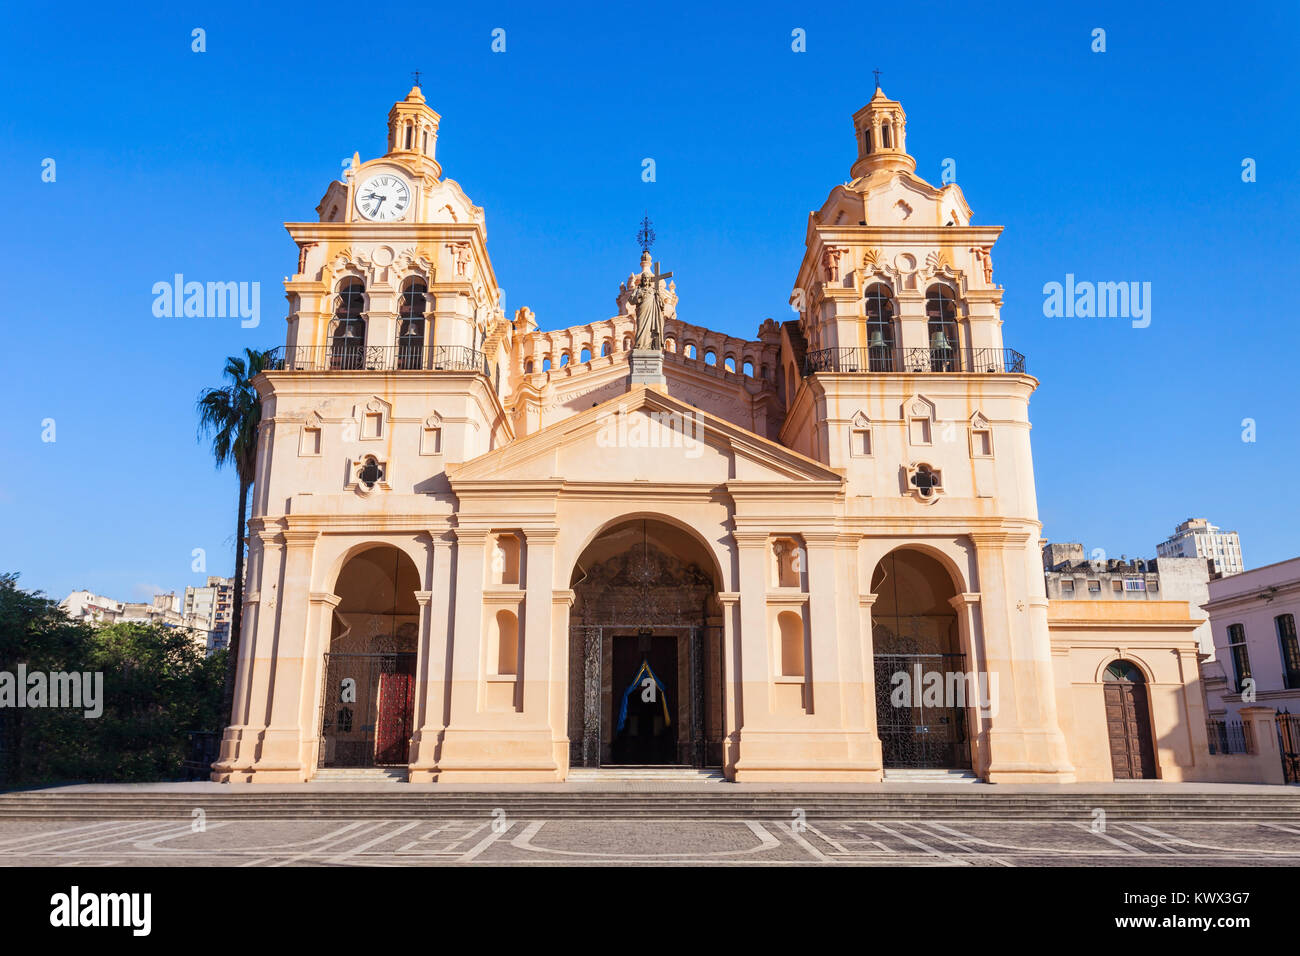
point(643, 435)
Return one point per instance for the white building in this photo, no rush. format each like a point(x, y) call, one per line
point(164, 609)
point(208, 609)
point(1197, 538)
point(88, 606)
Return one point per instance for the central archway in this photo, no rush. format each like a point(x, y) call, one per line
point(923, 689)
point(645, 649)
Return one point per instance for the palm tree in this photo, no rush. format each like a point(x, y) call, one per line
point(229, 415)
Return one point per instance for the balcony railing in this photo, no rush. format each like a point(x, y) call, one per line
point(342, 357)
point(884, 359)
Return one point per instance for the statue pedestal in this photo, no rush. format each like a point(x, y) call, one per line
point(648, 367)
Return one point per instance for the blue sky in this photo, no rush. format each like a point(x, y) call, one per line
point(1122, 165)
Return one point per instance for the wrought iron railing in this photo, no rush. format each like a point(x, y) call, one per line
point(406, 357)
point(1229, 737)
point(1288, 741)
point(201, 753)
point(890, 359)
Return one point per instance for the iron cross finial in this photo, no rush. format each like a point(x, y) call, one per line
point(416, 74)
point(646, 237)
point(877, 72)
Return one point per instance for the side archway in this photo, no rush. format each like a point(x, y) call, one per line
point(368, 691)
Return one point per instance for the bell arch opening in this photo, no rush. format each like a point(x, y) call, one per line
point(645, 649)
point(368, 693)
point(923, 688)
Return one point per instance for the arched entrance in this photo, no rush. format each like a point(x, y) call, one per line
point(645, 663)
point(1128, 722)
point(368, 697)
point(923, 689)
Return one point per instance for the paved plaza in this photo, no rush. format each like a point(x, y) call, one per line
point(494, 840)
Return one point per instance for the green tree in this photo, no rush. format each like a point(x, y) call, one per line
point(36, 632)
point(157, 687)
point(155, 681)
point(229, 415)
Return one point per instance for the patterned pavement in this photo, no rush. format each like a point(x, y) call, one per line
point(498, 840)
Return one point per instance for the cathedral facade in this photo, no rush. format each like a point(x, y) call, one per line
point(482, 551)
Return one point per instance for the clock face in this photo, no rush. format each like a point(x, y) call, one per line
point(383, 198)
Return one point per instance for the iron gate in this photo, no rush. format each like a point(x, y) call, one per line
point(591, 742)
point(367, 709)
point(1288, 742)
point(915, 734)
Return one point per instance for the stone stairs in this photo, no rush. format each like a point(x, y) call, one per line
point(360, 775)
point(673, 801)
point(648, 774)
point(930, 776)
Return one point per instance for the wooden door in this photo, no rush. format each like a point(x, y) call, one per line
point(393, 723)
point(1128, 723)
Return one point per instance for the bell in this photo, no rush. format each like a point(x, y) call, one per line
point(938, 340)
point(877, 340)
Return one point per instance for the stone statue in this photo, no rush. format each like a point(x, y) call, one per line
point(648, 298)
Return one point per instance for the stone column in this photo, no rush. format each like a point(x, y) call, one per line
point(558, 708)
point(381, 332)
point(281, 757)
point(482, 744)
point(467, 637)
point(824, 676)
point(239, 740)
point(432, 688)
point(913, 329)
point(732, 700)
point(755, 657)
point(972, 643)
point(875, 755)
point(535, 628)
point(251, 708)
point(419, 717)
point(1025, 743)
point(1262, 722)
point(320, 619)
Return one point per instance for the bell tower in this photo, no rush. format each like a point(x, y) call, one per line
point(881, 128)
point(413, 131)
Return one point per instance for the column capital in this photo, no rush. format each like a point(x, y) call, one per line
point(820, 537)
point(541, 536)
point(471, 536)
point(962, 601)
point(867, 600)
point(271, 539)
point(325, 597)
point(1001, 538)
point(728, 598)
point(438, 538)
point(423, 597)
point(565, 597)
point(750, 539)
point(299, 538)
